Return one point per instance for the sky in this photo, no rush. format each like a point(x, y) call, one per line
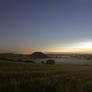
point(63, 26)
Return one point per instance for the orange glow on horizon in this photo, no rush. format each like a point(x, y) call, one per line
point(78, 51)
point(56, 52)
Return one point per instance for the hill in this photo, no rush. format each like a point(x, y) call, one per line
point(38, 55)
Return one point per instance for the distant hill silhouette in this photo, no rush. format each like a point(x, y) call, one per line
point(37, 55)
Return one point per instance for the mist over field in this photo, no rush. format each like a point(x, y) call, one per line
point(68, 61)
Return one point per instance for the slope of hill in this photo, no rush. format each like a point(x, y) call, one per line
point(38, 55)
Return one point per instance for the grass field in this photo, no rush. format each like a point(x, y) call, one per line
point(29, 77)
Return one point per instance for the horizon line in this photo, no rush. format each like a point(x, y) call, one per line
point(46, 52)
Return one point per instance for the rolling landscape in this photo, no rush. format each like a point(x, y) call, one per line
point(45, 45)
point(66, 74)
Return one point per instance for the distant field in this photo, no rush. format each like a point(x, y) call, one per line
point(68, 61)
point(29, 77)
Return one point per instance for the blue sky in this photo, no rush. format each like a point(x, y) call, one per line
point(45, 25)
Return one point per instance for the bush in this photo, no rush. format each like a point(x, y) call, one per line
point(29, 61)
point(42, 62)
point(50, 62)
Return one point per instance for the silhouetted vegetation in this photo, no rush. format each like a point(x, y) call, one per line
point(43, 62)
point(23, 58)
point(50, 62)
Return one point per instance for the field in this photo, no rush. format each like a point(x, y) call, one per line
point(30, 77)
point(68, 61)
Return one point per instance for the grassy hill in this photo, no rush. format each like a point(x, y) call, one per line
point(29, 77)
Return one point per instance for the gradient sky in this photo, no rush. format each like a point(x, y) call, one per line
point(46, 25)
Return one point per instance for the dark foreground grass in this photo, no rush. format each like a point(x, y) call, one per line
point(28, 77)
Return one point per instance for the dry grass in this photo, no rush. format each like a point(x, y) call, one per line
point(28, 77)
